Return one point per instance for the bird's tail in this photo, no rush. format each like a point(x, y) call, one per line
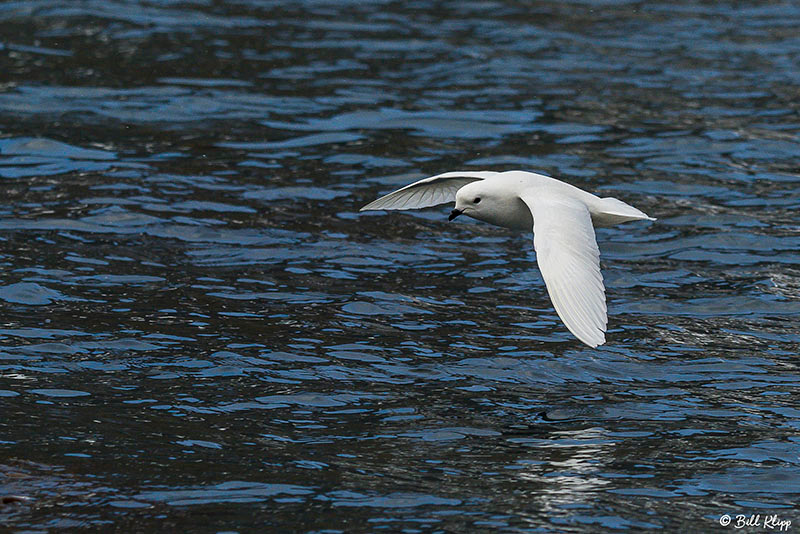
point(610, 211)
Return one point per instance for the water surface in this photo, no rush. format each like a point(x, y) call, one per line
point(200, 332)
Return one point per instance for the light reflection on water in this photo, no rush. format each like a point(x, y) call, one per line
point(198, 323)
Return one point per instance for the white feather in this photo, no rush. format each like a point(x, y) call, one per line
point(439, 189)
point(569, 260)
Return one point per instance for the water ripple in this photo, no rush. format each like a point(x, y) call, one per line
point(197, 317)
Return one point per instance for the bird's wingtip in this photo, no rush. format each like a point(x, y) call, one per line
point(600, 339)
point(592, 340)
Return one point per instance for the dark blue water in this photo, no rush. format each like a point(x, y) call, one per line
point(200, 332)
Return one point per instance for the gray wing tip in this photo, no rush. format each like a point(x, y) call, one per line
point(377, 206)
point(374, 205)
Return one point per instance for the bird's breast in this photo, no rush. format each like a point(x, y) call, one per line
point(513, 214)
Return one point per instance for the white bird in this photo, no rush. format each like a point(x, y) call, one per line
point(562, 218)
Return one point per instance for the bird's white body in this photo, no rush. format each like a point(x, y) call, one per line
point(562, 218)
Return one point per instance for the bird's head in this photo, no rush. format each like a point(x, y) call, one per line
point(492, 202)
point(473, 200)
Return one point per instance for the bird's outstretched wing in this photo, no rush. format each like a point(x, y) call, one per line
point(569, 260)
point(428, 192)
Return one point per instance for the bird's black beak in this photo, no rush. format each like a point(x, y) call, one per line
point(454, 214)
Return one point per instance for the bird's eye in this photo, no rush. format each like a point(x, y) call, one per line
point(477, 200)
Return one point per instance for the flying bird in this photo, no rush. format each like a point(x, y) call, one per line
point(562, 218)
